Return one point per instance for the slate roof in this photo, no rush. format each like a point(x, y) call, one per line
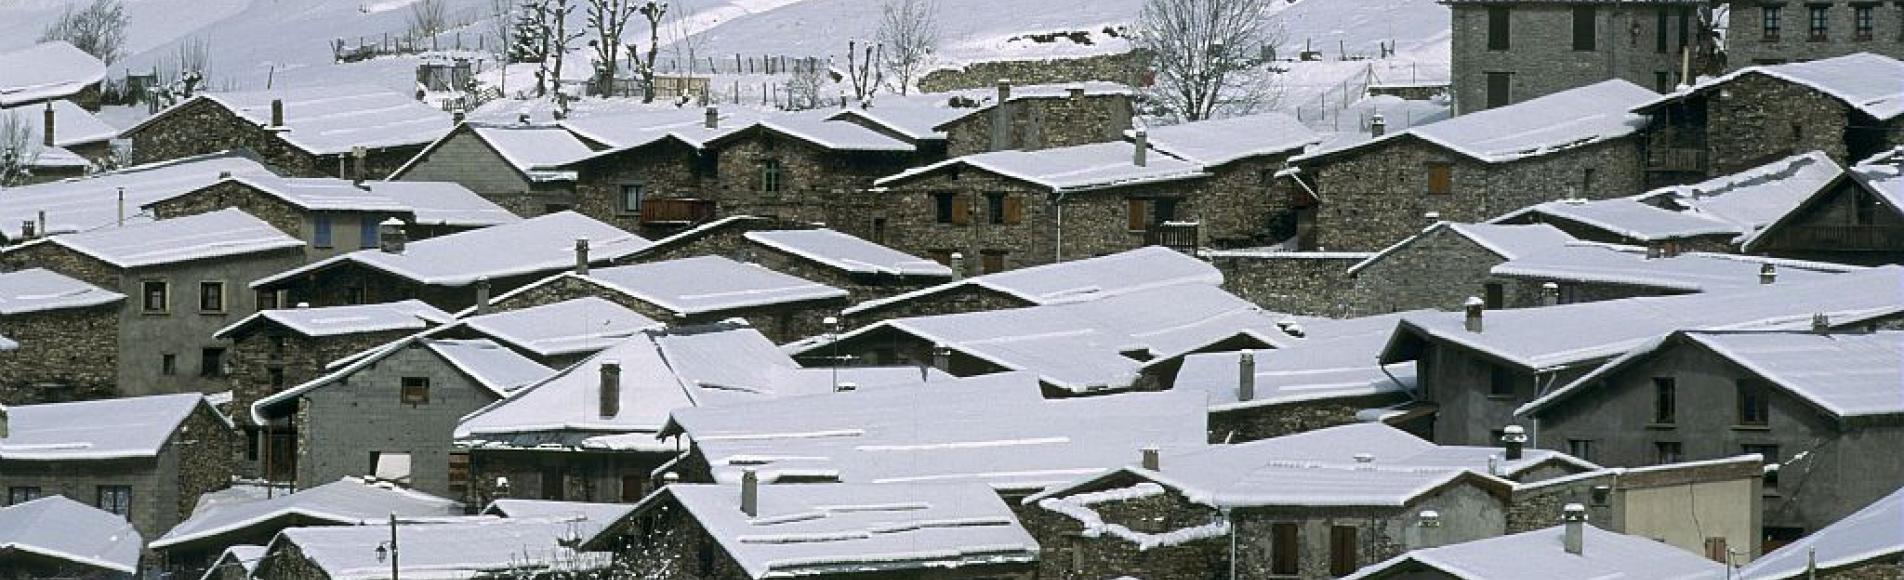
point(453, 549)
point(1544, 125)
point(72, 124)
point(1873, 532)
point(62, 529)
point(704, 284)
point(1627, 217)
point(132, 427)
point(1629, 266)
point(430, 202)
point(1752, 199)
point(40, 290)
point(913, 118)
point(92, 202)
point(848, 253)
point(492, 366)
point(1336, 364)
point(535, 245)
point(223, 233)
point(1863, 81)
point(336, 320)
point(581, 325)
point(1221, 141)
point(1086, 279)
point(1507, 241)
point(346, 502)
point(332, 119)
point(48, 70)
point(1064, 169)
point(1542, 554)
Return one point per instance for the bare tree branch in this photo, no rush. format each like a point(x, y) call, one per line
point(99, 29)
point(1203, 53)
point(909, 29)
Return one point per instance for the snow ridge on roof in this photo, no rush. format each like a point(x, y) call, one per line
point(530, 149)
point(540, 244)
point(335, 320)
point(346, 502)
point(226, 232)
point(849, 253)
point(1629, 218)
point(1865, 81)
point(428, 202)
point(95, 430)
point(1505, 240)
point(92, 202)
point(1757, 197)
point(1873, 532)
point(59, 528)
point(1542, 554)
point(48, 70)
point(1086, 279)
point(1074, 168)
point(496, 368)
point(1629, 266)
point(39, 290)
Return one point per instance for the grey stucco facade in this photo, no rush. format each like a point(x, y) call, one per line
point(343, 425)
point(464, 158)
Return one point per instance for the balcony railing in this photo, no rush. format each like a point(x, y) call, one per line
point(1676, 159)
point(676, 210)
point(1854, 238)
point(1179, 236)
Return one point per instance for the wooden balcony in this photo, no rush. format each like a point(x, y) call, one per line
point(1676, 159)
point(1849, 238)
point(1179, 236)
point(676, 210)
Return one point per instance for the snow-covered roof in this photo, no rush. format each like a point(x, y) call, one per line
point(1864, 81)
point(39, 290)
point(223, 233)
point(988, 97)
point(688, 125)
point(72, 124)
point(1845, 374)
point(1088, 279)
point(132, 427)
point(443, 550)
point(443, 203)
point(346, 502)
point(335, 320)
point(1559, 336)
point(1074, 168)
point(1756, 197)
point(818, 530)
point(92, 202)
point(332, 119)
point(492, 366)
point(62, 529)
point(1507, 241)
point(1626, 217)
point(1542, 554)
point(49, 70)
point(1213, 143)
point(535, 245)
point(996, 429)
point(581, 325)
point(1336, 364)
point(845, 252)
point(833, 135)
point(591, 517)
point(912, 118)
point(321, 193)
point(8, 344)
point(1628, 266)
point(245, 556)
point(1560, 121)
point(703, 284)
point(1873, 532)
point(530, 149)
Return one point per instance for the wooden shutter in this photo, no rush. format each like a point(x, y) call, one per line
point(961, 209)
point(1282, 549)
point(1014, 209)
point(1440, 178)
point(1138, 221)
point(1716, 549)
point(1342, 550)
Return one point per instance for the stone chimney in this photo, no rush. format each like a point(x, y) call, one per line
point(750, 493)
point(482, 295)
point(1246, 377)
point(942, 357)
point(1574, 517)
point(456, 117)
point(522, 118)
point(390, 237)
point(5, 421)
point(357, 155)
point(47, 135)
point(1473, 307)
point(1821, 323)
point(1433, 217)
point(1004, 91)
point(958, 265)
point(1001, 117)
point(712, 117)
point(1514, 439)
point(43, 231)
point(121, 221)
point(581, 256)
point(277, 113)
point(1549, 294)
point(1151, 460)
point(610, 391)
point(1768, 274)
point(1143, 146)
point(1377, 126)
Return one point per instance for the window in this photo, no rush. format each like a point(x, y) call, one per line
point(211, 296)
point(1820, 22)
point(1581, 448)
point(459, 473)
point(211, 362)
point(158, 296)
point(1662, 82)
point(995, 208)
point(1497, 28)
point(268, 300)
point(1668, 452)
point(631, 194)
point(1753, 407)
point(1440, 178)
point(321, 230)
point(1163, 210)
point(552, 488)
point(369, 234)
point(1659, 30)
point(1769, 453)
point(416, 390)
point(1866, 211)
point(1497, 89)
point(252, 437)
point(1342, 550)
point(20, 494)
point(1139, 215)
point(1769, 21)
point(1284, 548)
point(770, 176)
point(1716, 550)
point(942, 207)
point(355, 295)
point(168, 364)
point(1585, 29)
point(1685, 27)
point(277, 344)
point(1861, 22)
point(276, 375)
point(879, 230)
point(1500, 381)
point(392, 467)
point(1495, 295)
point(632, 488)
point(1665, 400)
point(992, 261)
point(116, 499)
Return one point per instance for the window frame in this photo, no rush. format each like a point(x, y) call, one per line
point(1500, 375)
point(770, 181)
point(640, 189)
point(1754, 406)
point(223, 306)
point(1817, 22)
point(31, 492)
point(321, 234)
point(991, 261)
point(1660, 34)
point(1580, 448)
point(1500, 29)
point(145, 296)
point(168, 364)
point(122, 494)
point(1769, 455)
point(1506, 96)
point(1771, 22)
point(369, 232)
point(214, 355)
point(1863, 21)
point(995, 208)
point(1586, 31)
point(1440, 178)
point(1665, 401)
point(1343, 552)
point(1285, 552)
point(413, 390)
point(1668, 452)
point(943, 203)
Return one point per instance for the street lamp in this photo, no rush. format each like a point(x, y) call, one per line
point(389, 549)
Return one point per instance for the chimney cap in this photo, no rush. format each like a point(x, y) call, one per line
point(1574, 512)
point(1474, 302)
point(611, 363)
point(1549, 286)
point(391, 222)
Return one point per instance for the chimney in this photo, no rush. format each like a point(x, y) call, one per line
point(750, 493)
point(1768, 274)
point(277, 112)
point(610, 391)
point(712, 119)
point(1365, 458)
point(4, 419)
point(1549, 294)
point(942, 357)
point(482, 295)
point(358, 153)
point(1001, 117)
point(1821, 323)
point(1246, 377)
point(1574, 516)
point(1514, 438)
point(522, 118)
point(1433, 217)
point(1004, 91)
point(1074, 91)
point(26, 230)
point(1654, 252)
point(1150, 458)
point(42, 215)
point(390, 237)
point(1474, 306)
point(958, 265)
point(1377, 125)
point(47, 135)
point(846, 387)
point(1143, 144)
point(581, 256)
point(122, 208)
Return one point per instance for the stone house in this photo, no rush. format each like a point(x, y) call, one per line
point(61, 140)
point(241, 527)
point(59, 71)
point(1573, 549)
point(77, 205)
point(1764, 33)
point(334, 216)
point(1443, 265)
point(1088, 278)
point(1857, 218)
point(899, 531)
point(1582, 272)
point(447, 547)
point(1859, 546)
point(236, 563)
point(1810, 427)
point(388, 414)
point(188, 274)
point(1478, 367)
point(555, 335)
point(1506, 52)
point(1711, 508)
point(911, 118)
point(145, 459)
point(1260, 394)
point(66, 336)
point(1474, 167)
point(693, 291)
point(274, 350)
point(1847, 107)
point(57, 537)
point(1034, 117)
point(519, 167)
point(444, 271)
point(351, 132)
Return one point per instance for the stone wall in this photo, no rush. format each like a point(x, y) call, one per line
point(465, 159)
point(203, 126)
point(1308, 283)
point(1538, 507)
point(303, 358)
point(205, 447)
point(286, 562)
point(563, 474)
point(667, 543)
point(1767, 119)
point(1067, 553)
point(1439, 270)
point(1822, 231)
point(1127, 68)
point(342, 424)
point(1541, 59)
point(63, 355)
point(1275, 420)
point(1032, 123)
point(1887, 568)
point(666, 169)
point(1468, 513)
point(1747, 44)
point(195, 459)
point(815, 185)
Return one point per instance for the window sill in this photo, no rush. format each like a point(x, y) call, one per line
point(1818, 39)
point(1769, 39)
point(1662, 426)
point(213, 312)
point(156, 313)
point(1495, 397)
point(1751, 427)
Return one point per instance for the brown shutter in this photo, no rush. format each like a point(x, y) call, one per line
point(1014, 209)
point(1138, 222)
point(1440, 178)
point(961, 209)
point(1283, 548)
point(1342, 549)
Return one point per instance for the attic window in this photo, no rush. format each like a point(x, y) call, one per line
point(416, 390)
point(1753, 406)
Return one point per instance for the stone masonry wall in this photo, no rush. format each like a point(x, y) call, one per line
point(204, 126)
point(1307, 283)
point(1768, 119)
point(1747, 44)
point(1266, 421)
point(666, 169)
point(1128, 68)
point(965, 298)
point(76, 349)
point(302, 359)
point(1540, 56)
point(344, 423)
point(1439, 270)
point(1067, 554)
point(1042, 122)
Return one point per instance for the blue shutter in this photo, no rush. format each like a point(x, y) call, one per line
point(321, 230)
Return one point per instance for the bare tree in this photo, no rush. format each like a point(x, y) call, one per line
point(653, 12)
point(608, 18)
point(428, 17)
point(18, 147)
point(557, 12)
point(194, 55)
point(864, 72)
point(1203, 51)
point(803, 88)
point(682, 41)
point(99, 29)
point(909, 33)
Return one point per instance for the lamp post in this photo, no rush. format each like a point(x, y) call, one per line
point(389, 549)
